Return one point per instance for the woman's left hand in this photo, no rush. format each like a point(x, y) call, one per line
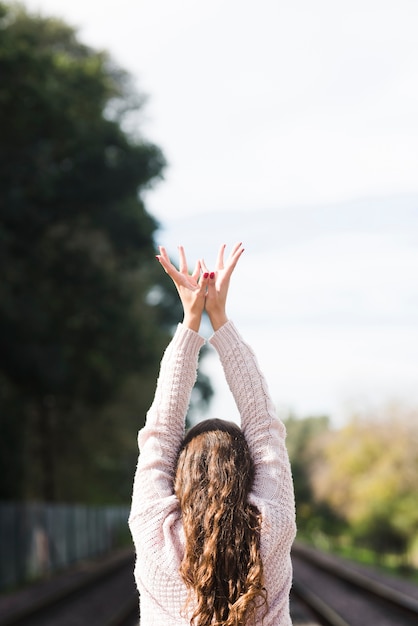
point(191, 287)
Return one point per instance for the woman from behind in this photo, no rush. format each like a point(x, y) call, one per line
point(212, 512)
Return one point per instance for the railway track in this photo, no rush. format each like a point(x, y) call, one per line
point(326, 592)
point(102, 594)
point(339, 595)
point(318, 611)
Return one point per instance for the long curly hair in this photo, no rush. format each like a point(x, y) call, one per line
point(222, 565)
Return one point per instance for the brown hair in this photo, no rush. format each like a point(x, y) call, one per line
point(222, 564)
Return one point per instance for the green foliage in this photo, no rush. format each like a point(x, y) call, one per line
point(369, 476)
point(75, 323)
point(313, 517)
point(357, 485)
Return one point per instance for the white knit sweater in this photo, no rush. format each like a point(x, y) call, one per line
point(155, 519)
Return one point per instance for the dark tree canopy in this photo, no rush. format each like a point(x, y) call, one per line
point(75, 239)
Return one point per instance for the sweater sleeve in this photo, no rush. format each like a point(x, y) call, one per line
point(264, 432)
point(163, 432)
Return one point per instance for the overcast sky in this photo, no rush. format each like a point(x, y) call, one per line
point(290, 125)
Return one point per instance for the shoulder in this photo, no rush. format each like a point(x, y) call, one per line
point(157, 530)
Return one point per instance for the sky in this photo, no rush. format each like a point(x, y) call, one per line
point(291, 126)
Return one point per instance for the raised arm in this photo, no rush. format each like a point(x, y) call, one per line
point(162, 434)
point(263, 430)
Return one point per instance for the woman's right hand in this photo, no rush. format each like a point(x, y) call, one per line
point(191, 287)
point(218, 285)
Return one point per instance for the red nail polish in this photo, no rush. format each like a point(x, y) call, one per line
point(206, 274)
point(157, 257)
point(212, 274)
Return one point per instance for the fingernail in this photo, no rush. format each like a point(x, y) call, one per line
point(206, 274)
point(212, 274)
point(157, 257)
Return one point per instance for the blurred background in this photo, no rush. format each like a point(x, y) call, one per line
point(289, 126)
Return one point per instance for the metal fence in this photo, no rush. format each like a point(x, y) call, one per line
point(39, 539)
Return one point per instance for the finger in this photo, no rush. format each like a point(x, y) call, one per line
point(183, 263)
point(211, 284)
point(196, 272)
point(234, 257)
point(203, 284)
point(164, 259)
point(220, 259)
point(163, 254)
point(204, 266)
point(237, 249)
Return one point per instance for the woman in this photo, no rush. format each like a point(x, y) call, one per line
point(213, 515)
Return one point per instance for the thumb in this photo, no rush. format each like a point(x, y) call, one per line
point(211, 285)
point(203, 283)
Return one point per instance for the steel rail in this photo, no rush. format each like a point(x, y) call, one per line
point(361, 581)
point(320, 609)
point(67, 591)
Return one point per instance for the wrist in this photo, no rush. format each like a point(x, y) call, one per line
point(218, 320)
point(192, 321)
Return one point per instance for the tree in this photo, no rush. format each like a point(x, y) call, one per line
point(74, 239)
point(313, 515)
point(369, 476)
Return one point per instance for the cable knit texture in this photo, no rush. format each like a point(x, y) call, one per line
point(155, 519)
